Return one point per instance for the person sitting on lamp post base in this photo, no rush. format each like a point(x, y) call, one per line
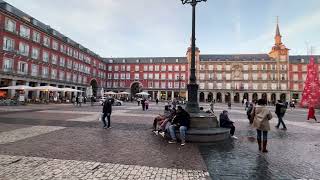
point(181, 122)
point(227, 123)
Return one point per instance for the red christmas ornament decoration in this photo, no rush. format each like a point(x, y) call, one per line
point(311, 91)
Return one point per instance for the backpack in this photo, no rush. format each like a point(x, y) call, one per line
point(283, 110)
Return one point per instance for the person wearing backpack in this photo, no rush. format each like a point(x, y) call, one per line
point(280, 111)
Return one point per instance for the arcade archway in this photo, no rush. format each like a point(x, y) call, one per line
point(219, 97)
point(136, 87)
point(94, 85)
point(201, 99)
point(210, 97)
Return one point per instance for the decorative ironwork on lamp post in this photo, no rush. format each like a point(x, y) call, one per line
point(192, 105)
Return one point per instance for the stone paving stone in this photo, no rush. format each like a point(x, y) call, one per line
point(23, 133)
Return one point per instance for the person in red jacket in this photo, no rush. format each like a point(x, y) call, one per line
point(311, 113)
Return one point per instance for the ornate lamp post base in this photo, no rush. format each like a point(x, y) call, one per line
point(192, 104)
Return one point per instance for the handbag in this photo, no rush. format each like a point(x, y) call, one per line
point(253, 115)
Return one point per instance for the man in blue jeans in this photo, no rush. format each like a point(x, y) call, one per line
point(181, 121)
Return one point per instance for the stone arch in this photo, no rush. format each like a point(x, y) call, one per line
point(264, 97)
point(210, 97)
point(283, 97)
point(219, 97)
point(245, 96)
point(273, 98)
point(201, 98)
point(94, 85)
point(236, 98)
point(227, 97)
point(135, 88)
point(254, 97)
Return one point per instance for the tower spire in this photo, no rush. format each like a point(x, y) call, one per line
point(277, 38)
point(277, 29)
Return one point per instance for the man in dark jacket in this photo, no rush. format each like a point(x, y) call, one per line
point(227, 123)
point(107, 109)
point(280, 111)
point(181, 121)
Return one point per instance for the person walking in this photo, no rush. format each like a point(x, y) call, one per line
point(107, 110)
point(138, 100)
point(311, 113)
point(181, 121)
point(227, 123)
point(146, 104)
point(157, 101)
point(143, 104)
point(280, 111)
point(262, 115)
point(229, 104)
point(80, 100)
point(77, 100)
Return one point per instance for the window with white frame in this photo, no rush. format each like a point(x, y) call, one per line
point(123, 75)
point(304, 67)
point(245, 76)
point(8, 44)
point(283, 86)
point(109, 68)
point(45, 72)
point(53, 73)
point(176, 84)
point(157, 68)
point(46, 41)
point(69, 64)
point(150, 84)
point(34, 70)
point(245, 67)
point(156, 84)
point(254, 67)
point(273, 86)
point(283, 67)
point(45, 56)
point(150, 76)
point(264, 76)
point(201, 86)
point(170, 68)
point(228, 68)
point(265, 86)
point(255, 76)
point(163, 67)
point(295, 77)
point(283, 77)
point(245, 86)
point(202, 67)
point(183, 68)
point(54, 59)
point(295, 68)
point(219, 67)
point(163, 76)
point(63, 48)
point(109, 76)
point(7, 64)
point(115, 76)
point(210, 76)
point(156, 76)
point(74, 78)
point(23, 49)
point(84, 80)
point(150, 67)
point(127, 75)
point(68, 76)
point(210, 85)
point(22, 67)
point(219, 76)
point(55, 45)
point(36, 36)
point(145, 68)
point(228, 85)
point(296, 87)
point(128, 67)
point(116, 68)
point(136, 76)
point(123, 67)
point(136, 67)
point(10, 25)
point(145, 76)
point(228, 76)
point(163, 84)
point(210, 67)
point(170, 85)
point(35, 53)
point(24, 31)
point(62, 61)
point(61, 75)
point(176, 68)
point(115, 84)
point(219, 85)
point(255, 86)
point(202, 76)
point(304, 77)
point(79, 79)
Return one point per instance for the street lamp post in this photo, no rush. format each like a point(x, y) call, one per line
point(192, 105)
point(179, 79)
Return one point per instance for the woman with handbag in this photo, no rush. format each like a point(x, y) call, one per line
point(261, 116)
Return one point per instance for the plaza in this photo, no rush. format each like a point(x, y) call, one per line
point(66, 142)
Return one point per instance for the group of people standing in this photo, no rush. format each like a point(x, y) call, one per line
point(78, 100)
point(144, 103)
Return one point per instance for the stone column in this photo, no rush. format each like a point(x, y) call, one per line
point(166, 95)
point(205, 96)
point(223, 94)
point(232, 97)
point(12, 91)
point(250, 97)
point(269, 97)
point(26, 92)
point(172, 94)
point(158, 95)
point(277, 96)
point(214, 96)
point(259, 95)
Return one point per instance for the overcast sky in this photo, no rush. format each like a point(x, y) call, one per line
point(135, 28)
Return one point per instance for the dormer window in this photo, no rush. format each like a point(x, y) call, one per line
point(164, 60)
point(123, 61)
point(110, 61)
point(302, 60)
point(177, 60)
point(151, 60)
point(137, 60)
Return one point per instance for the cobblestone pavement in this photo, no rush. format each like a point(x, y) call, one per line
point(67, 142)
